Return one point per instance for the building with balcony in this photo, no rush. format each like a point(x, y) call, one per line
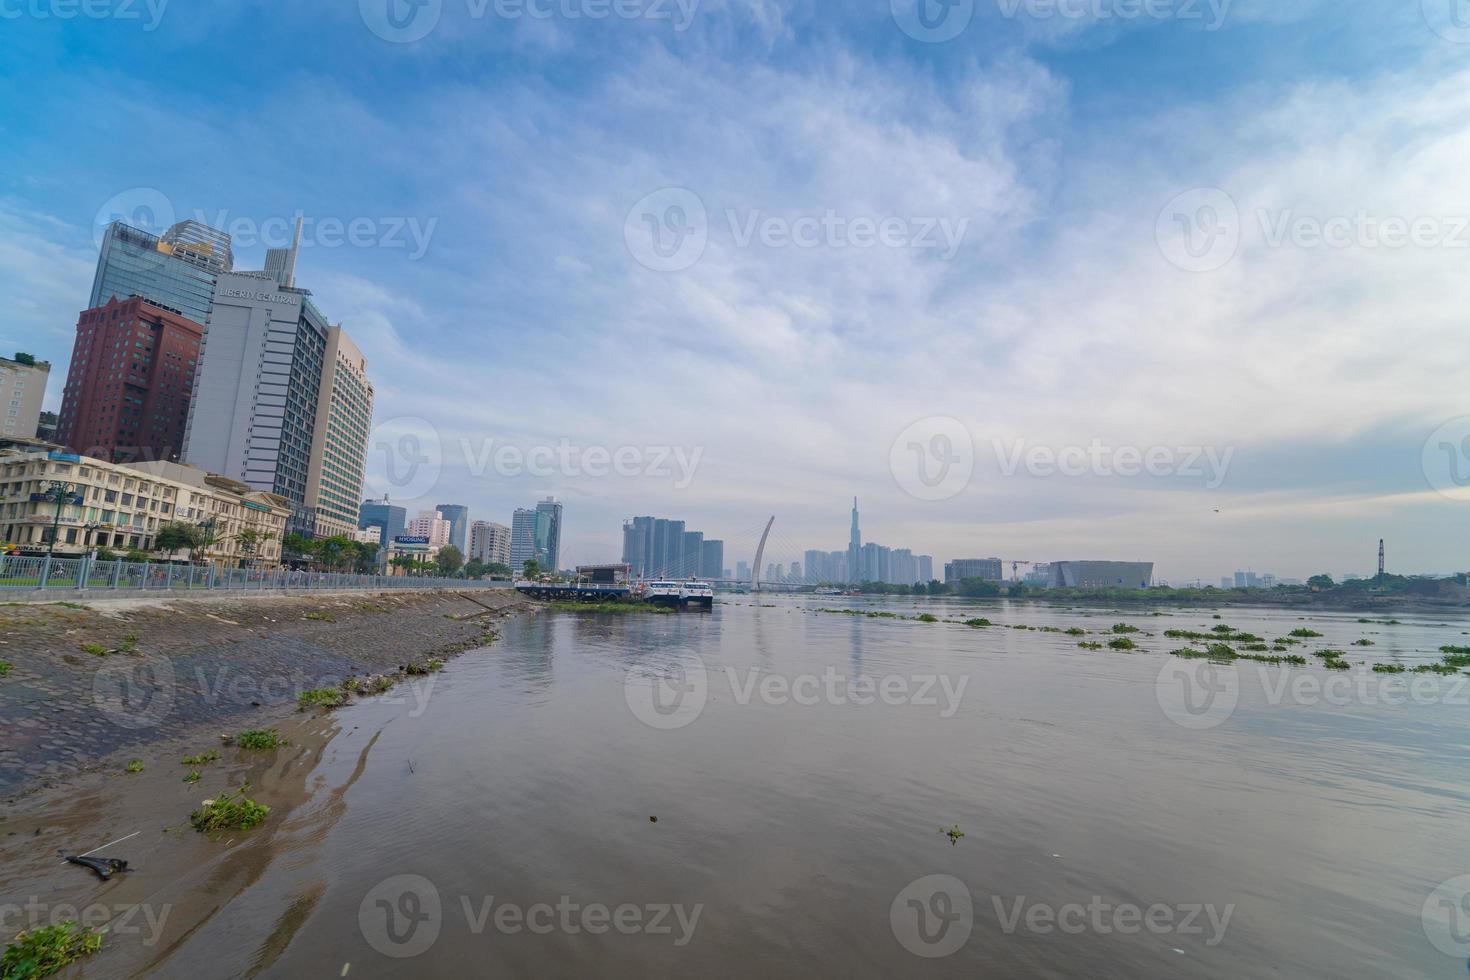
point(22, 388)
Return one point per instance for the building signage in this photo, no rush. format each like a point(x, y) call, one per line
point(403, 540)
point(63, 457)
point(45, 498)
point(261, 296)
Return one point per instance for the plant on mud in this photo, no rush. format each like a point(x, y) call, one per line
point(320, 616)
point(41, 952)
point(129, 643)
point(372, 684)
point(1122, 643)
point(202, 759)
point(6, 667)
point(260, 739)
point(430, 666)
point(135, 765)
point(954, 834)
point(237, 812)
point(192, 777)
point(322, 697)
point(95, 649)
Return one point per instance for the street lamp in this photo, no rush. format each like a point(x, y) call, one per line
point(59, 492)
point(206, 536)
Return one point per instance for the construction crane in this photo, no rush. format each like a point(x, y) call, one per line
point(1015, 569)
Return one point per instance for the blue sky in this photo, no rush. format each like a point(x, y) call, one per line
point(498, 170)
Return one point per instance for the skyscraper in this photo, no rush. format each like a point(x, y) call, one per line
point(177, 271)
point(381, 514)
point(131, 378)
point(344, 417)
point(712, 561)
point(854, 547)
point(693, 554)
point(458, 517)
point(430, 524)
point(637, 546)
point(522, 539)
point(548, 533)
point(489, 543)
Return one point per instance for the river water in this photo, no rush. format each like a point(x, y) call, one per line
point(1123, 814)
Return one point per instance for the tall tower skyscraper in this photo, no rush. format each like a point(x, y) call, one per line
point(854, 547)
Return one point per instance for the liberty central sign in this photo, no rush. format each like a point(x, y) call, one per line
point(260, 296)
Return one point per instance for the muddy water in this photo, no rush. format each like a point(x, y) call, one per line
point(1123, 814)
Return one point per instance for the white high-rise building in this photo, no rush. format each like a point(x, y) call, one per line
point(490, 543)
point(432, 525)
point(22, 386)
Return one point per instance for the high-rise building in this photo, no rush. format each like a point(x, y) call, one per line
point(638, 545)
point(430, 524)
point(458, 517)
point(489, 543)
point(130, 382)
point(926, 569)
point(548, 533)
point(742, 571)
point(962, 568)
point(855, 547)
point(22, 387)
point(712, 561)
point(522, 539)
point(390, 520)
point(344, 418)
point(693, 556)
point(176, 272)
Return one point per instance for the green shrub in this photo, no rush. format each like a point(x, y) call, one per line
point(237, 812)
point(135, 765)
point(41, 952)
point(322, 697)
point(256, 739)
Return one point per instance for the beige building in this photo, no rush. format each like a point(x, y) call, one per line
point(429, 524)
point(121, 507)
point(22, 387)
point(490, 543)
point(344, 417)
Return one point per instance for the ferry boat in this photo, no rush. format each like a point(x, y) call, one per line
point(680, 595)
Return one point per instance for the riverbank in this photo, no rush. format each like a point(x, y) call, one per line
point(92, 684)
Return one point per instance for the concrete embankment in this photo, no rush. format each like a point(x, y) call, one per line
point(89, 682)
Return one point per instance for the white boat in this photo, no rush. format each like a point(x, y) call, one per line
point(680, 594)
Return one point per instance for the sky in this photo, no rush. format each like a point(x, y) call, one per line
point(1169, 280)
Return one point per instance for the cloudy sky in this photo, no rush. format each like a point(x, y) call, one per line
point(1179, 280)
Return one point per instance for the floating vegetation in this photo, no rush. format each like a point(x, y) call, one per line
point(1124, 628)
point(41, 952)
point(1337, 665)
point(1362, 643)
point(267, 738)
point(1222, 628)
point(927, 618)
point(1122, 643)
point(1076, 631)
point(135, 765)
point(954, 834)
point(1304, 632)
point(6, 667)
point(1329, 654)
point(202, 759)
point(237, 812)
point(1459, 658)
point(1436, 669)
point(322, 697)
point(1190, 653)
point(192, 777)
point(1390, 669)
point(1285, 641)
point(1090, 646)
point(1187, 635)
point(978, 623)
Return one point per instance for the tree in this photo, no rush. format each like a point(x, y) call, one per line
point(1320, 582)
point(449, 560)
point(336, 551)
point(498, 570)
point(176, 537)
point(474, 568)
point(250, 541)
point(978, 587)
point(296, 546)
point(532, 569)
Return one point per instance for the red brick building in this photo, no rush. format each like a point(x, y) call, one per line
point(132, 374)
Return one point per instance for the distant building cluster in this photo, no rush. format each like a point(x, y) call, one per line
point(655, 547)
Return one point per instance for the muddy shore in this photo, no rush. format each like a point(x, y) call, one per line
point(93, 683)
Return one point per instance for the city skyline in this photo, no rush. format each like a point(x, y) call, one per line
point(800, 370)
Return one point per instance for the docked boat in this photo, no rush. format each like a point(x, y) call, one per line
point(691, 594)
